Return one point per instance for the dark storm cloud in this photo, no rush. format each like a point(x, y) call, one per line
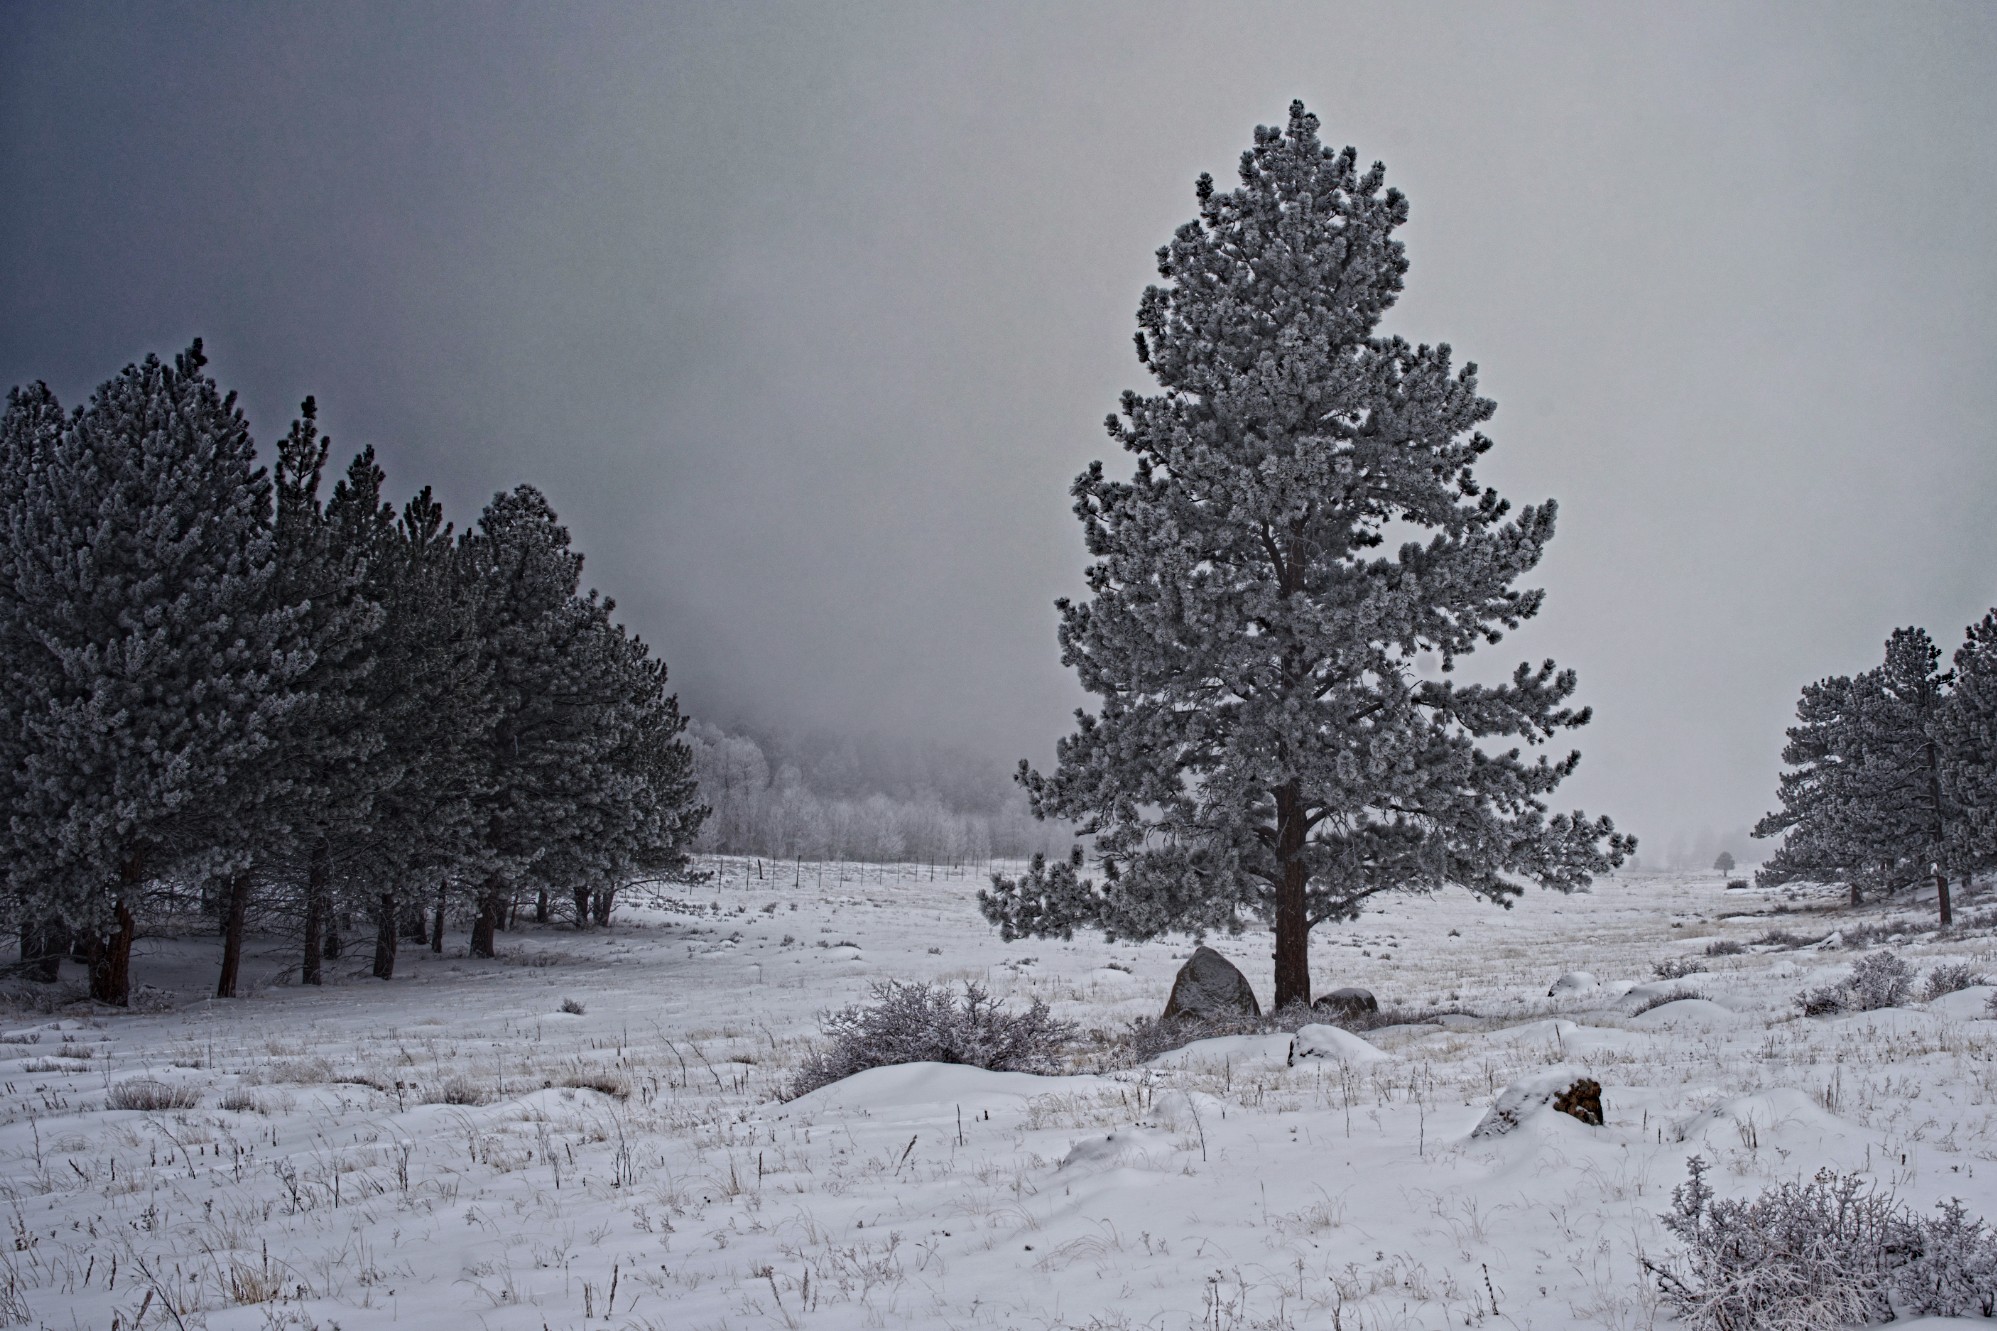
point(805, 316)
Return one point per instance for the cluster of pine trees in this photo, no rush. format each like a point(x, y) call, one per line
point(223, 684)
point(1892, 776)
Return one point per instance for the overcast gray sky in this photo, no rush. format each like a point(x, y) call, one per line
point(805, 316)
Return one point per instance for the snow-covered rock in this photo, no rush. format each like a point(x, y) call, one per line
point(1565, 1089)
point(1333, 1044)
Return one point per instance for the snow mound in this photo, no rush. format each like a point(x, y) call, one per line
point(1235, 1049)
point(1574, 982)
point(1126, 1148)
point(1334, 1044)
point(1686, 1012)
point(1781, 1116)
point(905, 1087)
point(1971, 1004)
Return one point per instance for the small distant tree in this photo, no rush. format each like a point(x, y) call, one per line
point(1268, 744)
point(1725, 863)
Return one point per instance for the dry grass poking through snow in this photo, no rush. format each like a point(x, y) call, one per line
point(601, 1141)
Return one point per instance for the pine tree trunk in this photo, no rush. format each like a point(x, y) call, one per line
point(490, 904)
point(541, 906)
point(309, 971)
point(1293, 960)
point(437, 929)
point(235, 912)
point(415, 926)
point(601, 904)
point(581, 896)
point(1855, 899)
point(1941, 898)
point(111, 960)
point(331, 949)
point(385, 938)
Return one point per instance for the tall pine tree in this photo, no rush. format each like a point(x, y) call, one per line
point(1267, 745)
point(158, 667)
point(1968, 737)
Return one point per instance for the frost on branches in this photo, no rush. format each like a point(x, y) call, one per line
point(1265, 746)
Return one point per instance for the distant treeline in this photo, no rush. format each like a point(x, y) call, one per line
point(1892, 778)
point(228, 692)
point(813, 798)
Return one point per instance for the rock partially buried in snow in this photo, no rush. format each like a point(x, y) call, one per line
point(1349, 1002)
point(1564, 1089)
point(1209, 985)
point(1333, 1044)
point(1574, 982)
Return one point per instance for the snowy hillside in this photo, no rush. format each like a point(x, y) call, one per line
point(452, 1148)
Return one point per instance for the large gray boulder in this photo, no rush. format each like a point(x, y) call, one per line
point(1209, 985)
point(1347, 1003)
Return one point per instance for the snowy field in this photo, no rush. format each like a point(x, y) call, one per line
point(454, 1149)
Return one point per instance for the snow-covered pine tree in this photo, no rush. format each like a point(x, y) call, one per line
point(317, 782)
point(1906, 816)
point(29, 432)
point(537, 750)
point(1724, 862)
point(429, 699)
point(1268, 746)
point(1968, 737)
point(1866, 800)
point(159, 668)
point(1822, 753)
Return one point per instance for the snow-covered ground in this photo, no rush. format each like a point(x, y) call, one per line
point(453, 1149)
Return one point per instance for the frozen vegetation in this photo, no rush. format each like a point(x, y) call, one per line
point(590, 1129)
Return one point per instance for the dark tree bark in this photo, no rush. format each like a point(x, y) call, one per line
point(1941, 898)
point(415, 926)
point(1293, 926)
point(315, 918)
point(541, 906)
point(235, 912)
point(581, 897)
point(437, 928)
point(490, 906)
point(385, 937)
point(601, 904)
point(111, 959)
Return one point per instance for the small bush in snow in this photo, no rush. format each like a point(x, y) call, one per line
point(1787, 938)
point(1952, 977)
point(152, 1096)
point(1725, 947)
point(1877, 980)
point(573, 1007)
point(917, 1023)
point(1820, 1255)
point(1676, 968)
point(1659, 1000)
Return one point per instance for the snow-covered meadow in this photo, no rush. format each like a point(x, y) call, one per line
point(454, 1148)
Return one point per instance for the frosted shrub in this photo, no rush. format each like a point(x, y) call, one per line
point(1820, 1255)
point(911, 1022)
point(1877, 980)
point(1676, 968)
point(1952, 977)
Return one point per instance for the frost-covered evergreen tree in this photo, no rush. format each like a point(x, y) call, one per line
point(317, 782)
point(1823, 752)
point(588, 779)
point(157, 668)
point(29, 432)
point(537, 754)
point(1267, 745)
point(1866, 800)
point(1968, 737)
point(430, 702)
